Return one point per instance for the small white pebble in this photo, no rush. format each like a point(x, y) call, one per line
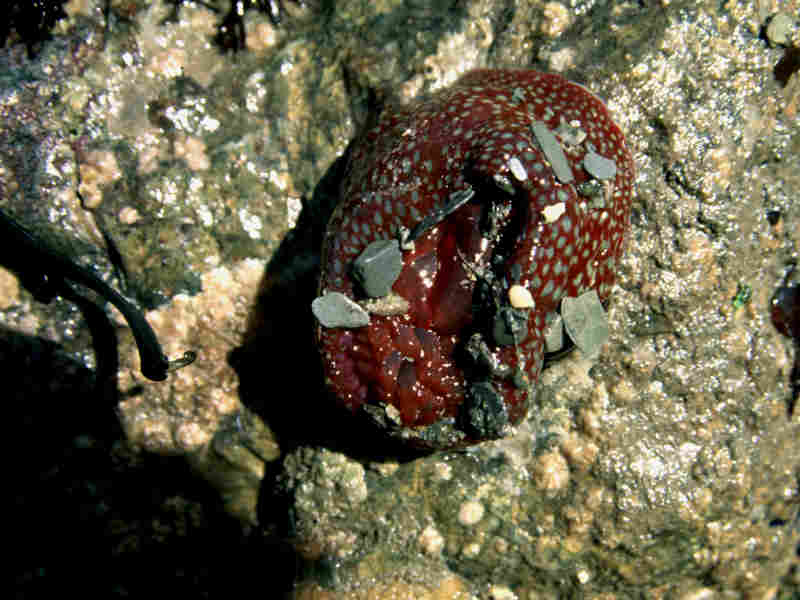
point(128, 215)
point(779, 30)
point(517, 169)
point(553, 212)
point(470, 512)
point(431, 541)
point(501, 592)
point(520, 297)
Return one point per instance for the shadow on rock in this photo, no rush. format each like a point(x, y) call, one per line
point(279, 365)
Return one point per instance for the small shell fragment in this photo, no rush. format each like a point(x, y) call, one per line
point(337, 310)
point(599, 167)
point(553, 151)
point(553, 211)
point(520, 297)
point(586, 322)
point(387, 306)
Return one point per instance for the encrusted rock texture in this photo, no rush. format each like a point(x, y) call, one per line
point(667, 467)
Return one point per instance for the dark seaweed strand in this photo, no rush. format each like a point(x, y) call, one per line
point(57, 269)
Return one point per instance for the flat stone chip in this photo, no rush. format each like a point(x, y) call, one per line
point(554, 335)
point(337, 310)
point(553, 151)
point(586, 322)
point(599, 167)
point(378, 267)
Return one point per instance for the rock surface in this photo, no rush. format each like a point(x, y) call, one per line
point(666, 467)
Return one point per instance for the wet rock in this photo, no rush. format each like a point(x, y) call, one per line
point(681, 461)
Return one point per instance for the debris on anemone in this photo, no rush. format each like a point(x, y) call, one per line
point(467, 222)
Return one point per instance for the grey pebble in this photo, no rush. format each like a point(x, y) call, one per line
point(586, 322)
point(553, 151)
point(378, 267)
point(781, 29)
point(599, 167)
point(334, 309)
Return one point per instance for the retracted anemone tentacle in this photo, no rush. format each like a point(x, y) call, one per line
point(53, 273)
